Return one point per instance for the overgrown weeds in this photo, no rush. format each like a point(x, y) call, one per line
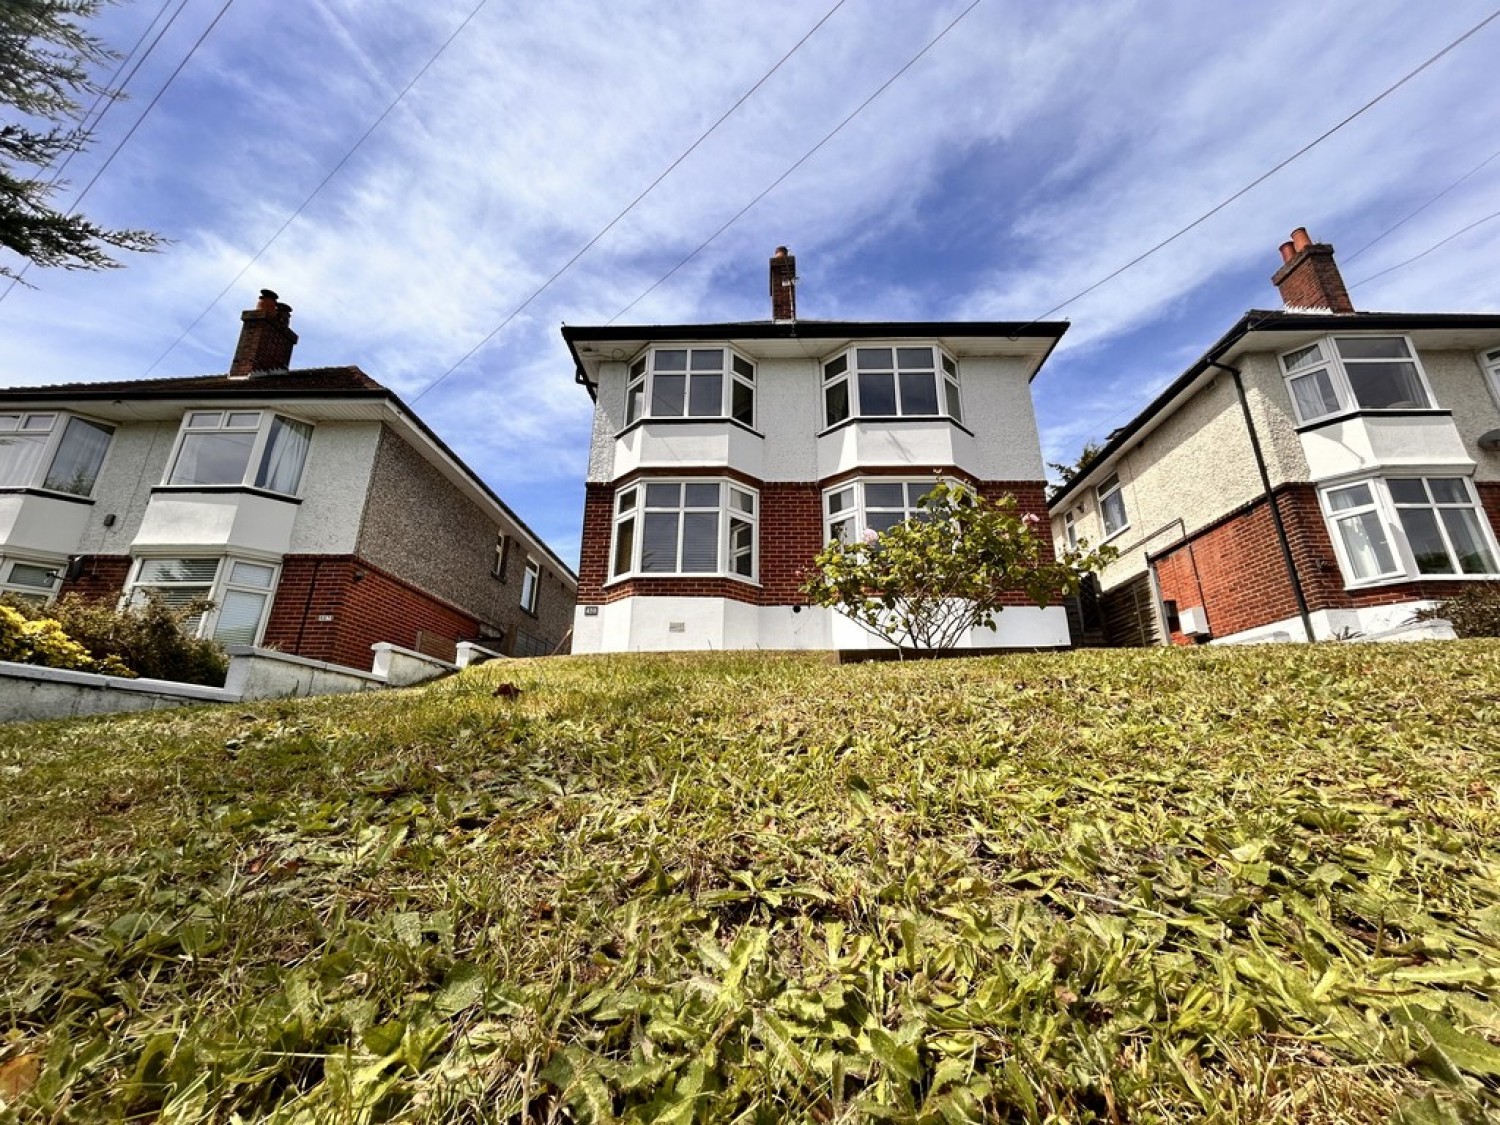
point(1226, 885)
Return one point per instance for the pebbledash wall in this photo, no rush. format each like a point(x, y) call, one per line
point(791, 464)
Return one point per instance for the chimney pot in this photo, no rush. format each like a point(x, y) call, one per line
point(1300, 239)
point(1288, 251)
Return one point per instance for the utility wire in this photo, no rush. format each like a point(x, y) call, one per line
point(1429, 250)
point(629, 207)
point(110, 159)
point(1139, 258)
point(1412, 215)
point(334, 171)
point(933, 42)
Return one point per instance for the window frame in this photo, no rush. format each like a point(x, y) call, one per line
point(262, 430)
point(51, 445)
point(738, 371)
point(856, 513)
point(223, 583)
point(1397, 539)
point(502, 556)
point(947, 383)
point(10, 586)
point(1489, 363)
point(1070, 520)
point(1105, 491)
point(531, 586)
point(1337, 366)
point(728, 549)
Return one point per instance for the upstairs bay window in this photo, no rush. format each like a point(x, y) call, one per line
point(57, 452)
point(1346, 373)
point(685, 528)
point(251, 448)
point(1490, 361)
point(1409, 527)
point(892, 382)
point(691, 383)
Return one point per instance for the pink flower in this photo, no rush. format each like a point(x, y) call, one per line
point(1030, 519)
point(870, 535)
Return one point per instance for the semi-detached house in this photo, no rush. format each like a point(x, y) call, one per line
point(1319, 472)
point(724, 456)
point(315, 510)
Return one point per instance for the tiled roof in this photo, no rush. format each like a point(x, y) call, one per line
point(319, 380)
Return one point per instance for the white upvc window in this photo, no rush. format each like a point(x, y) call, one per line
point(53, 451)
point(686, 527)
point(1112, 513)
point(34, 581)
point(1339, 374)
point(1404, 528)
point(688, 382)
point(1070, 527)
point(531, 585)
point(248, 448)
point(241, 590)
point(891, 382)
point(1490, 361)
point(875, 505)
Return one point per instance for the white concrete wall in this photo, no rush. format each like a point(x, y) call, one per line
point(334, 484)
point(1459, 385)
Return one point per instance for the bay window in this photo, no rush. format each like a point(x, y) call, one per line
point(239, 588)
point(1345, 373)
point(57, 452)
point(878, 505)
point(1490, 361)
point(685, 528)
point(1408, 528)
point(891, 382)
point(691, 383)
point(251, 448)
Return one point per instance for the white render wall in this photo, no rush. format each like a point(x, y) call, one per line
point(789, 412)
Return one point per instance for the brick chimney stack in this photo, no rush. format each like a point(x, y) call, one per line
point(266, 338)
point(783, 285)
point(1309, 278)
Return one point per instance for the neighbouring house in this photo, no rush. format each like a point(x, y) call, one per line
point(1318, 473)
point(312, 506)
point(724, 456)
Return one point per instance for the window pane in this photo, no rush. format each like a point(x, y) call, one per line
point(634, 398)
point(179, 570)
point(252, 574)
point(743, 396)
point(637, 370)
point(21, 458)
point(10, 422)
point(838, 501)
point(910, 358)
point(842, 531)
point(1383, 386)
point(950, 396)
point(700, 542)
point(626, 500)
point(877, 394)
point(884, 521)
point(239, 618)
point(836, 402)
point(873, 359)
point(1355, 496)
point(1407, 491)
point(836, 367)
point(742, 501)
point(1468, 542)
point(285, 454)
point(1426, 541)
point(741, 548)
point(75, 465)
point(663, 495)
point(25, 574)
point(1112, 508)
point(1448, 490)
point(219, 458)
point(1380, 347)
point(885, 496)
point(659, 543)
point(40, 423)
point(674, 359)
point(1365, 544)
point(915, 492)
point(242, 420)
point(1314, 395)
point(1313, 353)
point(707, 396)
point(624, 545)
point(744, 368)
point(702, 496)
point(666, 395)
point(200, 420)
point(708, 359)
point(919, 392)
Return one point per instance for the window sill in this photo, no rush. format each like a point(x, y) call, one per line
point(1114, 535)
point(28, 490)
point(1335, 419)
point(221, 489)
point(889, 419)
point(1407, 580)
point(635, 576)
point(716, 421)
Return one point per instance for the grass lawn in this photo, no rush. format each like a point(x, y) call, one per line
point(1230, 885)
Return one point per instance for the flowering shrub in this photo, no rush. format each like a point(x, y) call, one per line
point(925, 583)
point(43, 641)
point(150, 639)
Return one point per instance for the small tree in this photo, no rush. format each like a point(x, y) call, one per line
point(925, 583)
point(45, 58)
point(1066, 472)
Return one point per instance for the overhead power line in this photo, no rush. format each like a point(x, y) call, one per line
point(1263, 177)
point(323, 183)
point(1413, 214)
point(1391, 269)
point(631, 206)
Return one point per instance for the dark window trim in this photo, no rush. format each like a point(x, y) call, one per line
point(32, 490)
point(713, 421)
point(1435, 412)
point(892, 420)
point(221, 489)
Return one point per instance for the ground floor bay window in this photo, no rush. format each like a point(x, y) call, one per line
point(241, 590)
point(685, 527)
point(1404, 528)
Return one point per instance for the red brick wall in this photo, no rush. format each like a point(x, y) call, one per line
point(791, 534)
point(1234, 569)
point(364, 610)
point(103, 576)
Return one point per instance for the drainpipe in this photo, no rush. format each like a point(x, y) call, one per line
point(1265, 482)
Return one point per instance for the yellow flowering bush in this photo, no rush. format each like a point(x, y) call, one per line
point(43, 641)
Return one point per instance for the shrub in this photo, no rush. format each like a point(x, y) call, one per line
point(40, 641)
point(1473, 611)
point(150, 639)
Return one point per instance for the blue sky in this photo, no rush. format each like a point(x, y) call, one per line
point(1029, 153)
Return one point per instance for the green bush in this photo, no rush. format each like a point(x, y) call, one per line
point(1473, 611)
point(44, 642)
point(149, 639)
